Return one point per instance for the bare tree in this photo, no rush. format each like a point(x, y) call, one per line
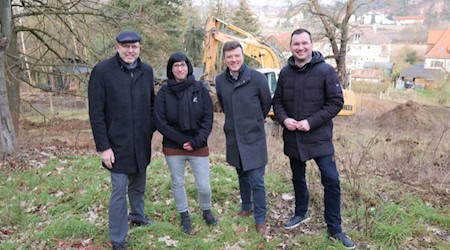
point(7, 131)
point(44, 39)
point(335, 21)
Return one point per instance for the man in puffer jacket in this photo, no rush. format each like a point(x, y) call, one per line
point(307, 97)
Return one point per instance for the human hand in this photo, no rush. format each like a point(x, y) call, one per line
point(108, 158)
point(187, 146)
point(291, 124)
point(303, 125)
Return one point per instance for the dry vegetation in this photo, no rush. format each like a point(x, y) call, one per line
point(385, 152)
point(406, 142)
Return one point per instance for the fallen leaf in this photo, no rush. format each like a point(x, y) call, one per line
point(169, 242)
point(287, 197)
point(239, 230)
point(59, 193)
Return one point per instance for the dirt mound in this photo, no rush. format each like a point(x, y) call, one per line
point(408, 116)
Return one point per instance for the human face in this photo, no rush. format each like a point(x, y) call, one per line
point(301, 48)
point(234, 60)
point(129, 52)
point(180, 71)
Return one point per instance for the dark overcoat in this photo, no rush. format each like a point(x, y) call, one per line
point(246, 103)
point(312, 93)
point(121, 112)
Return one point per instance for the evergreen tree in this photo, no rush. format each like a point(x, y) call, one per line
point(245, 19)
point(160, 22)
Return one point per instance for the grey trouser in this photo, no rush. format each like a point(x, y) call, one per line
point(118, 218)
point(200, 168)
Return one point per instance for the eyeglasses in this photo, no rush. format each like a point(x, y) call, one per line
point(179, 65)
point(128, 46)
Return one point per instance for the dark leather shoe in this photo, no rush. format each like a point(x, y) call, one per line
point(261, 229)
point(145, 222)
point(243, 213)
point(209, 218)
point(116, 246)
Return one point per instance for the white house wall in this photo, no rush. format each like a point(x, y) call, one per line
point(430, 61)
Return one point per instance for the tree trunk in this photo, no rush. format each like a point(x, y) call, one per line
point(7, 132)
point(12, 75)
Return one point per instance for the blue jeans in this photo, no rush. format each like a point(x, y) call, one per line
point(118, 218)
point(200, 168)
point(332, 190)
point(251, 183)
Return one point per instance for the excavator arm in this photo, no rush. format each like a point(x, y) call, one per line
point(219, 32)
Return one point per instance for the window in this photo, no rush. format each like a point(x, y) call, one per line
point(437, 64)
point(271, 78)
point(356, 38)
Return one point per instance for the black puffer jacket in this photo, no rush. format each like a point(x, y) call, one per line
point(313, 93)
point(121, 110)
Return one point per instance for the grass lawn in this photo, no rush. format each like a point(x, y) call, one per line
point(63, 205)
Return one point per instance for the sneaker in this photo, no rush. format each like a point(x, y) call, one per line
point(343, 239)
point(209, 218)
point(145, 222)
point(296, 220)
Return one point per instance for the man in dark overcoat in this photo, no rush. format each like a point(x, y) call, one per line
point(244, 97)
point(121, 97)
point(307, 97)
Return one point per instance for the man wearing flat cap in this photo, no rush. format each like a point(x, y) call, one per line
point(121, 97)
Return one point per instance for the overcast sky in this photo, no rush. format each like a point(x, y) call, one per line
point(265, 2)
point(252, 2)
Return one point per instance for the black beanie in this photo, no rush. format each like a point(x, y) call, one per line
point(178, 57)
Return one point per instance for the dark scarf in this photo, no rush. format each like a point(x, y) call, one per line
point(126, 65)
point(183, 90)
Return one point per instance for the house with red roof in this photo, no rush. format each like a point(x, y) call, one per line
point(438, 50)
point(281, 42)
point(408, 20)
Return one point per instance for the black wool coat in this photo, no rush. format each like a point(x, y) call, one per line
point(166, 117)
point(121, 112)
point(246, 103)
point(312, 93)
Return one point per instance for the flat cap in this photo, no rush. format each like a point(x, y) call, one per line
point(127, 36)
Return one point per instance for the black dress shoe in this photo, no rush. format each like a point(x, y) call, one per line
point(144, 223)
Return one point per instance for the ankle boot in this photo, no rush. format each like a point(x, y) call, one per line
point(209, 218)
point(185, 222)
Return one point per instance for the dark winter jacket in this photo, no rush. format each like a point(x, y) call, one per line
point(312, 93)
point(121, 111)
point(246, 103)
point(167, 117)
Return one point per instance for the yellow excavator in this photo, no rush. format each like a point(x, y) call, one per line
point(270, 60)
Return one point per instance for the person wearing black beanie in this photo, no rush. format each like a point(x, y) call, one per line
point(184, 116)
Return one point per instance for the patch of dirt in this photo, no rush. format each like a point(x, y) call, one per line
point(57, 124)
point(408, 116)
